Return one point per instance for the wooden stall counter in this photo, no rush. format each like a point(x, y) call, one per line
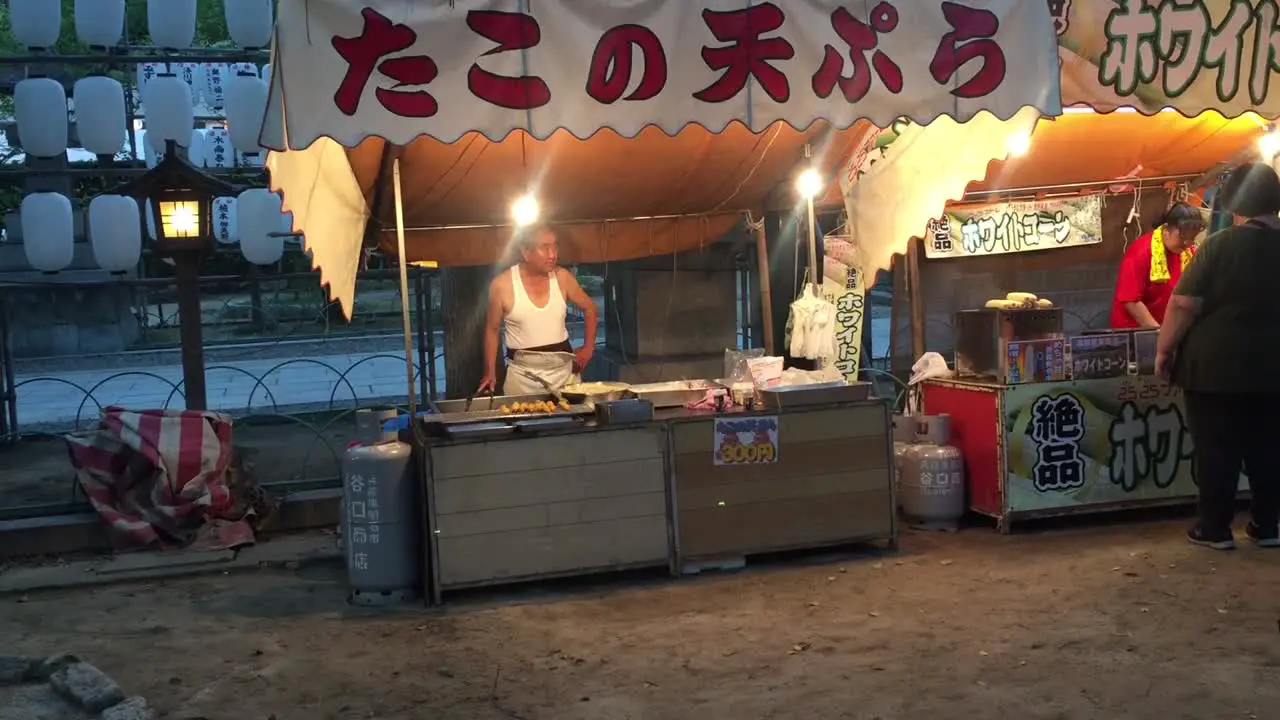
point(567, 503)
point(750, 483)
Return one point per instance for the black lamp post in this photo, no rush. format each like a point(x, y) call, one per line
point(181, 198)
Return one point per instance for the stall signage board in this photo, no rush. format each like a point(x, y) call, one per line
point(746, 440)
point(1001, 228)
point(1095, 357)
point(1192, 55)
point(1095, 442)
point(358, 68)
point(1035, 361)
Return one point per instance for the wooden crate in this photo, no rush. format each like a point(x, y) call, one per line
point(832, 484)
point(515, 509)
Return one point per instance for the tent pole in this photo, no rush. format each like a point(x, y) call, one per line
point(766, 294)
point(404, 288)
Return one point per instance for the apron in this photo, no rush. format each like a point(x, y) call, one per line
point(554, 367)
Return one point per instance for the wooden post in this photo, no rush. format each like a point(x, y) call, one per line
point(766, 296)
point(915, 299)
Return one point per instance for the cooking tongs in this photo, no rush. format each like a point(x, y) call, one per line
point(559, 397)
point(472, 397)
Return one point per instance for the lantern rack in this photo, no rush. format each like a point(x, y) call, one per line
point(147, 55)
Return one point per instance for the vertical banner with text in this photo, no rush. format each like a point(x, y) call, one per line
point(844, 286)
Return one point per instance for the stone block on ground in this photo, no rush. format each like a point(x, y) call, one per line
point(135, 708)
point(15, 669)
point(45, 669)
point(86, 686)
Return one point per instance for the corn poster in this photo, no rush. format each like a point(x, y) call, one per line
point(1095, 442)
point(1192, 55)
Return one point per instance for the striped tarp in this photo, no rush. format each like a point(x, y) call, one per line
point(154, 476)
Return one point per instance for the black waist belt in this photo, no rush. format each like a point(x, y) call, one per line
point(556, 347)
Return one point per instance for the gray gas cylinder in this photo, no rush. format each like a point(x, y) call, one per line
point(904, 434)
point(932, 485)
point(381, 514)
point(369, 431)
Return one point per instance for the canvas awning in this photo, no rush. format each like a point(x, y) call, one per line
point(686, 142)
point(1074, 148)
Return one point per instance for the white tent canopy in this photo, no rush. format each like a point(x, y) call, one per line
point(358, 82)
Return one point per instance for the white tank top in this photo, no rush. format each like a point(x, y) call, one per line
point(530, 326)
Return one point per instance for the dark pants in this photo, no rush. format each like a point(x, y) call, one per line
point(1231, 432)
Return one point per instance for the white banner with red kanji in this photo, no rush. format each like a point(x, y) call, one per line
point(350, 69)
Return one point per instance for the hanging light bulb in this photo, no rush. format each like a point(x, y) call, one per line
point(1019, 144)
point(809, 184)
point(525, 210)
point(1269, 144)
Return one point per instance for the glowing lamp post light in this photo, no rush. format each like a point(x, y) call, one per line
point(180, 200)
point(809, 184)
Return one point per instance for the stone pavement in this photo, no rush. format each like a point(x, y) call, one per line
point(57, 399)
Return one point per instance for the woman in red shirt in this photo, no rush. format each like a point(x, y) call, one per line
point(1144, 287)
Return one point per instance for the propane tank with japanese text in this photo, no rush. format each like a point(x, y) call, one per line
point(932, 482)
point(381, 521)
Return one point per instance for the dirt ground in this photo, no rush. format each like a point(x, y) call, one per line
point(1126, 621)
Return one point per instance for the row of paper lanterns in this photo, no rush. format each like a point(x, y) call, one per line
point(115, 229)
point(40, 107)
point(208, 81)
point(170, 23)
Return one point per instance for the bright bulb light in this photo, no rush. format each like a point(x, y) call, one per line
point(809, 184)
point(1269, 145)
point(1019, 145)
point(183, 219)
point(524, 211)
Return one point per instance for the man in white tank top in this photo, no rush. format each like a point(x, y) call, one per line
point(527, 304)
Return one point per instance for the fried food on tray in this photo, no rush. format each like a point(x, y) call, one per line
point(536, 406)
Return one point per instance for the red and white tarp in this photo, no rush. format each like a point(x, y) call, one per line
point(349, 69)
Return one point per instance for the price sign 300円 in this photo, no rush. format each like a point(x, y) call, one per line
point(746, 441)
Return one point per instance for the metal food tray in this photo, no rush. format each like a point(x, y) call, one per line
point(673, 394)
point(486, 402)
point(793, 396)
point(459, 418)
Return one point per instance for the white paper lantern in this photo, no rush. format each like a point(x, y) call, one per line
point(169, 111)
point(195, 153)
point(218, 152)
point(243, 68)
point(216, 76)
point(171, 23)
point(266, 74)
point(100, 114)
point(36, 23)
point(249, 22)
point(193, 75)
point(246, 108)
point(99, 23)
point(225, 229)
point(250, 160)
point(48, 231)
point(41, 108)
point(146, 71)
point(115, 233)
point(257, 216)
point(150, 153)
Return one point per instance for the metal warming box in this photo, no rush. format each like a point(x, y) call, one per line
point(981, 336)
